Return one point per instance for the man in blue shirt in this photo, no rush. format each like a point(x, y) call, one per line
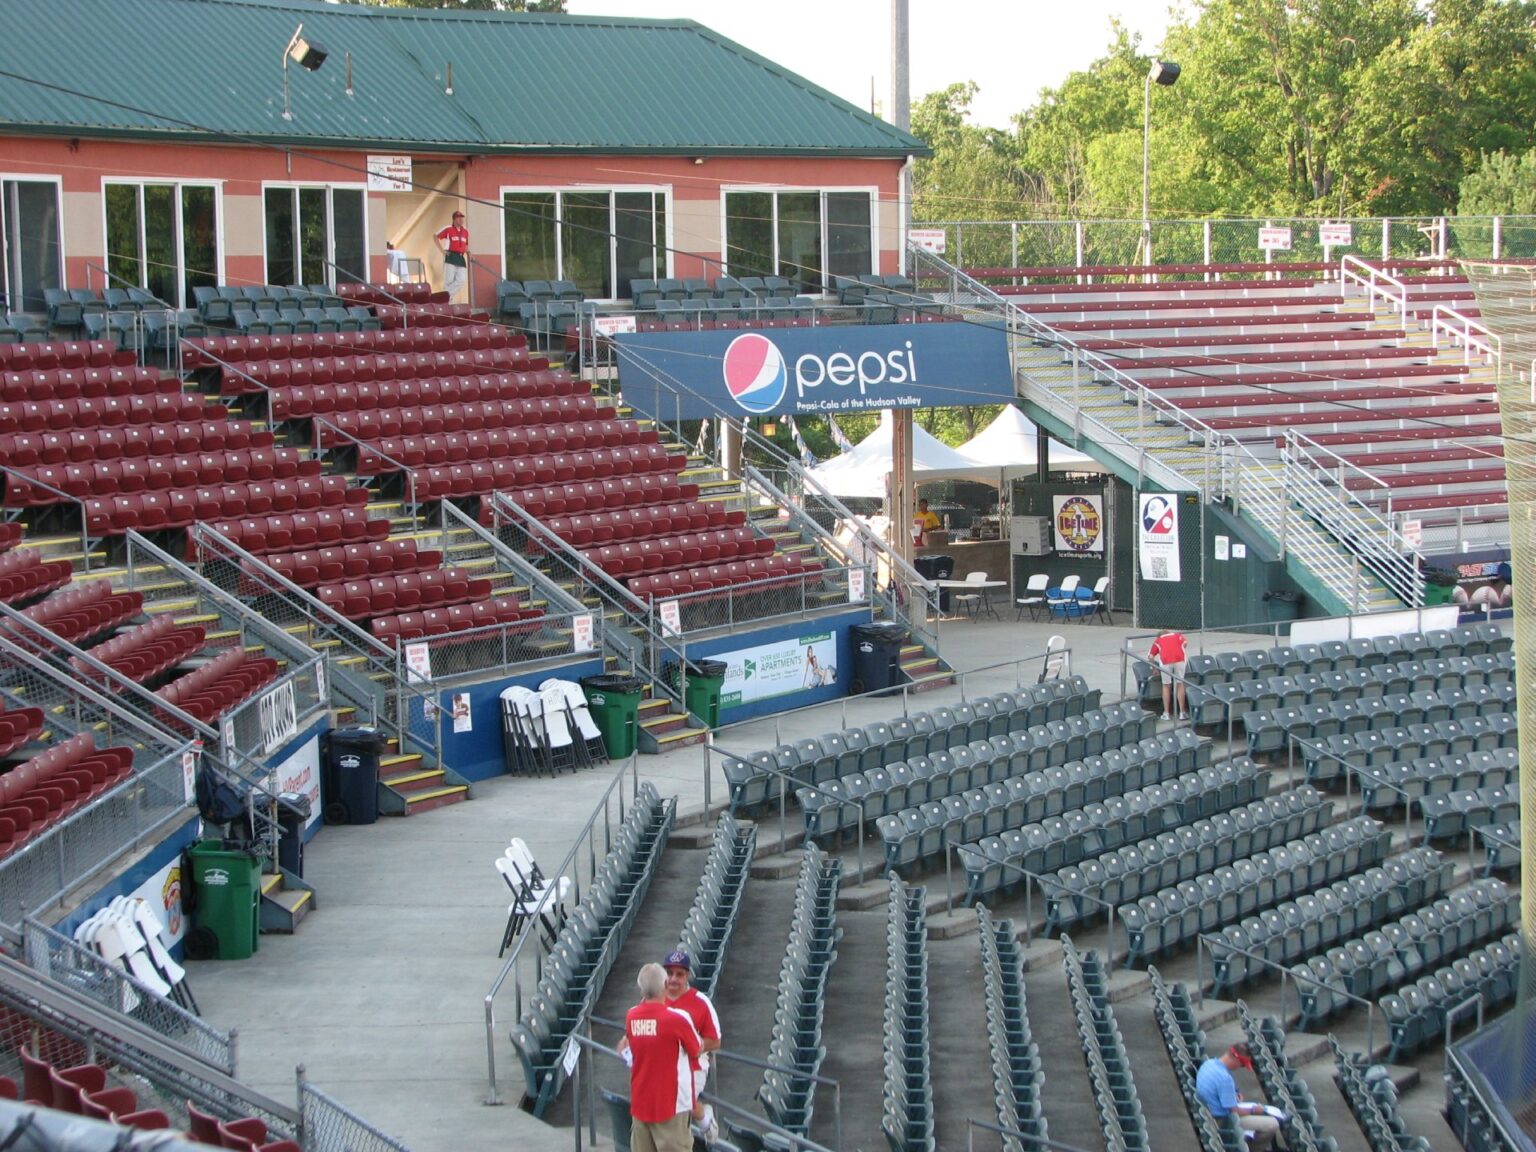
point(1218, 1092)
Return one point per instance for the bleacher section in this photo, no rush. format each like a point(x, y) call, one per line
point(1340, 370)
point(587, 945)
point(1373, 1099)
point(1187, 1047)
point(1016, 1074)
point(706, 933)
point(907, 1119)
point(1283, 1088)
point(1109, 1065)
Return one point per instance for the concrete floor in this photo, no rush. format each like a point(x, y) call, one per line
point(380, 995)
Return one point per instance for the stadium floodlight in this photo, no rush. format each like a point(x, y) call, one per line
point(1166, 74)
point(307, 54)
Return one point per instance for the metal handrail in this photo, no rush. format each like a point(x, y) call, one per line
point(322, 425)
point(405, 312)
point(1472, 335)
point(1205, 940)
point(1376, 282)
point(455, 520)
point(530, 930)
point(63, 498)
point(971, 1124)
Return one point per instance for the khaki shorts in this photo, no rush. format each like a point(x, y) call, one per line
point(668, 1136)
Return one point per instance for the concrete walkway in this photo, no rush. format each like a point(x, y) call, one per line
point(380, 994)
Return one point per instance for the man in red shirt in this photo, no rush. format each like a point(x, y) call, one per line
point(1168, 656)
point(663, 1047)
point(706, 1022)
point(454, 241)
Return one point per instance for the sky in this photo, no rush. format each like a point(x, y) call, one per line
point(1010, 48)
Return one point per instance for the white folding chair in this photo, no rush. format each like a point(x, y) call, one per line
point(1098, 606)
point(1058, 661)
point(971, 600)
point(1034, 595)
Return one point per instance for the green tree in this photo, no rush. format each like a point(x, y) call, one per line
point(1502, 185)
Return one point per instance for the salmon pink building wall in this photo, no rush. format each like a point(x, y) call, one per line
point(240, 172)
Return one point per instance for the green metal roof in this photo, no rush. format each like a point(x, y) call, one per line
point(211, 69)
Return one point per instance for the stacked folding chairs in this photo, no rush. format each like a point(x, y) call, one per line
point(1186, 1045)
point(1372, 1097)
point(534, 895)
point(549, 730)
point(1017, 1078)
point(707, 931)
point(789, 1098)
point(129, 935)
point(1109, 1065)
point(907, 1113)
point(588, 944)
point(1283, 1085)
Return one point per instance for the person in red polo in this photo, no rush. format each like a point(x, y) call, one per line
point(682, 995)
point(663, 1047)
point(1169, 654)
point(454, 241)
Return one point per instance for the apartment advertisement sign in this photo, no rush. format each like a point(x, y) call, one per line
point(778, 669)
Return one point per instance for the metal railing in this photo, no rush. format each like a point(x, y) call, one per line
point(1026, 1139)
point(1205, 941)
point(63, 961)
point(530, 947)
point(1375, 282)
point(397, 703)
point(1474, 338)
point(330, 1126)
point(1282, 496)
point(342, 440)
point(62, 498)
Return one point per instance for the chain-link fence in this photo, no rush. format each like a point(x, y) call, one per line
point(978, 244)
point(63, 961)
point(70, 854)
point(330, 1126)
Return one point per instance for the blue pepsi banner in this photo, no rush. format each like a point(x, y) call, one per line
point(814, 371)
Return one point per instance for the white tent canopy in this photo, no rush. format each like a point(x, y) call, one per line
point(1009, 443)
point(1002, 450)
point(862, 470)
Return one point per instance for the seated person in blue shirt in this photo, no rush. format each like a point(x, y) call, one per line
point(1218, 1092)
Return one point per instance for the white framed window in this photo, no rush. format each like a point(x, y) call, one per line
point(806, 235)
point(315, 233)
point(163, 236)
point(32, 239)
point(600, 239)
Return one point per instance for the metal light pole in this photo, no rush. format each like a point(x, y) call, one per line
point(1166, 73)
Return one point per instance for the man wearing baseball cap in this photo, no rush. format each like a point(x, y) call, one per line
point(1218, 1092)
point(687, 999)
point(454, 241)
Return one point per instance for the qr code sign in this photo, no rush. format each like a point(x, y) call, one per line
point(1159, 567)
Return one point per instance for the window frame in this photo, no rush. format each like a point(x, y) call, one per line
point(139, 183)
point(11, 303)
point(329, 187)
point(822, 191)
point(559, 192)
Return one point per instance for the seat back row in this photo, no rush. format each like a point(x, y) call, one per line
point(245, 350)
point(394, 453)
point(432, 419)
point(182, 507)
point(25, 449)
point(251, 376)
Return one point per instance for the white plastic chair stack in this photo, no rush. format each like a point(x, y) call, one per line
point(560, 745)
point(523, 729)
point(153, 931)
point(129, 935)
point(532, 895)
point(581, 715)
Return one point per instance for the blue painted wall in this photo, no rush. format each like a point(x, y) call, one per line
point(838, 625)
point(477, 754)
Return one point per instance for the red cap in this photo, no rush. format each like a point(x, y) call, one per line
point(458, 215)
point(1240, 1053)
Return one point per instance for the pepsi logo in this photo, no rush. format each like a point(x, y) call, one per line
point(755, 374)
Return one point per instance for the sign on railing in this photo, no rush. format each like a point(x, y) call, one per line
point(279, 718)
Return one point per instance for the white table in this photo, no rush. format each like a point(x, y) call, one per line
point(982, 586)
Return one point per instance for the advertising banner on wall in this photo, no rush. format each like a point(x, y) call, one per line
point(1078, 523)
point(162, 892)
point(813, 371)
point(300, 773)
point(787, 666)
point(1157, 531)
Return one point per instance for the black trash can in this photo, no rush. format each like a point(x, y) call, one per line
point(292, 815)
point(937, 568)
point(877, 656)
point(350, 783)
point(1283, 605)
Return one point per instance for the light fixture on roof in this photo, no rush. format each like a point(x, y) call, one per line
point(307, 54)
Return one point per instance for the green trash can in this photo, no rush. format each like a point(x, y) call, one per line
point(614, 700)
point(228, 916)
point(702, 694)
